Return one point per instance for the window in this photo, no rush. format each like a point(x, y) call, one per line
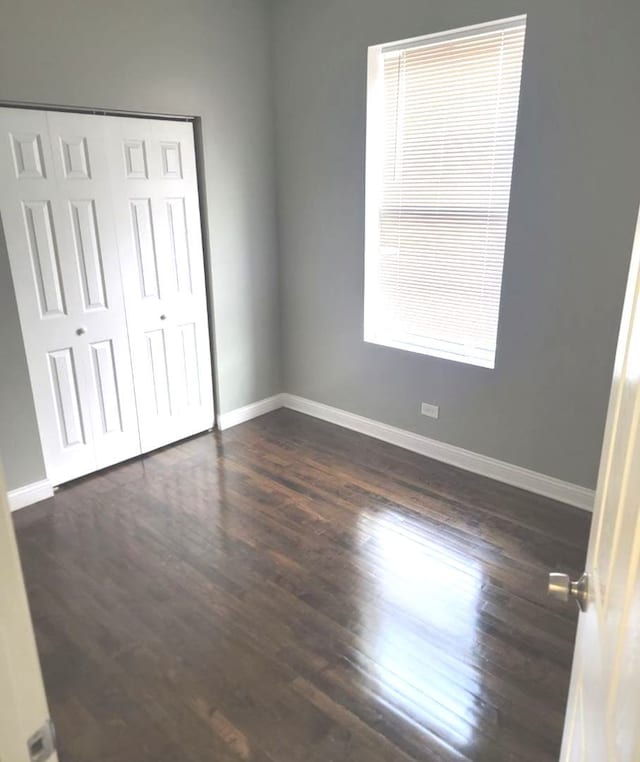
point(441, 125)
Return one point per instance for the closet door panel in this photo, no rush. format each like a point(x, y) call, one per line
point(58, 219)
point(48, 293)
point(156, 196)
point(87, 232)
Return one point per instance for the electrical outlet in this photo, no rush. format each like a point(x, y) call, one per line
point(432, 411)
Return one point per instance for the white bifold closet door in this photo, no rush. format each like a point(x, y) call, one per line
point(58, 223)
point(159, 234)
point(117, 350)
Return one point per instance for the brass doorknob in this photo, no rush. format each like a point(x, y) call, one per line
point(562, 587)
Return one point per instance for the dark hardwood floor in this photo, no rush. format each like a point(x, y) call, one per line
point(288, 591)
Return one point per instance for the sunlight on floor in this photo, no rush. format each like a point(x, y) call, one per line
point(426, 598)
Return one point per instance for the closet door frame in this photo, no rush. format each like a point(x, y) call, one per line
point(196, 125)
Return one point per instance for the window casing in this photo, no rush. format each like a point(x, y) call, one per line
point(441, 124)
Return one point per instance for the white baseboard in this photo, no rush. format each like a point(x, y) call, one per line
point(541, 484)
point(246, 413)
point(29, 494)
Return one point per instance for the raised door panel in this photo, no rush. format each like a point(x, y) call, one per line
point(43, 250)
point(158, 371)
point(189, 366)
point(75, 156)
point(106, 381)
point(142, 231)
point(171, 158)
point(64, 382)
point(26, 147)
point(135, 159)
point(88, 251)
point(178, 245)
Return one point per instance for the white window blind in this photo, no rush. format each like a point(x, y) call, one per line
point(441, 125)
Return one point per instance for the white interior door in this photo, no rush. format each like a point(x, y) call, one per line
point(57, 215)
point(158, 222)
point(23, 705)
point(603, 714)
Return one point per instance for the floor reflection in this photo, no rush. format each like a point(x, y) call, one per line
point(288, 591)
point(422, 610)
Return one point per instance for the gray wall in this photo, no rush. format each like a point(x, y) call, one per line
point(204, 57)
point(19, 438)
point(575, 195)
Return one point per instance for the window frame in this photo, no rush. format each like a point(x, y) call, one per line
point(374, 166)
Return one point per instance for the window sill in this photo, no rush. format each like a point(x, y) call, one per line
point(443, 354)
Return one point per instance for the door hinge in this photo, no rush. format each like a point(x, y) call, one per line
point(42, 743)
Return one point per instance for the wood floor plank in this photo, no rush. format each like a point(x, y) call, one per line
point(290, 591)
